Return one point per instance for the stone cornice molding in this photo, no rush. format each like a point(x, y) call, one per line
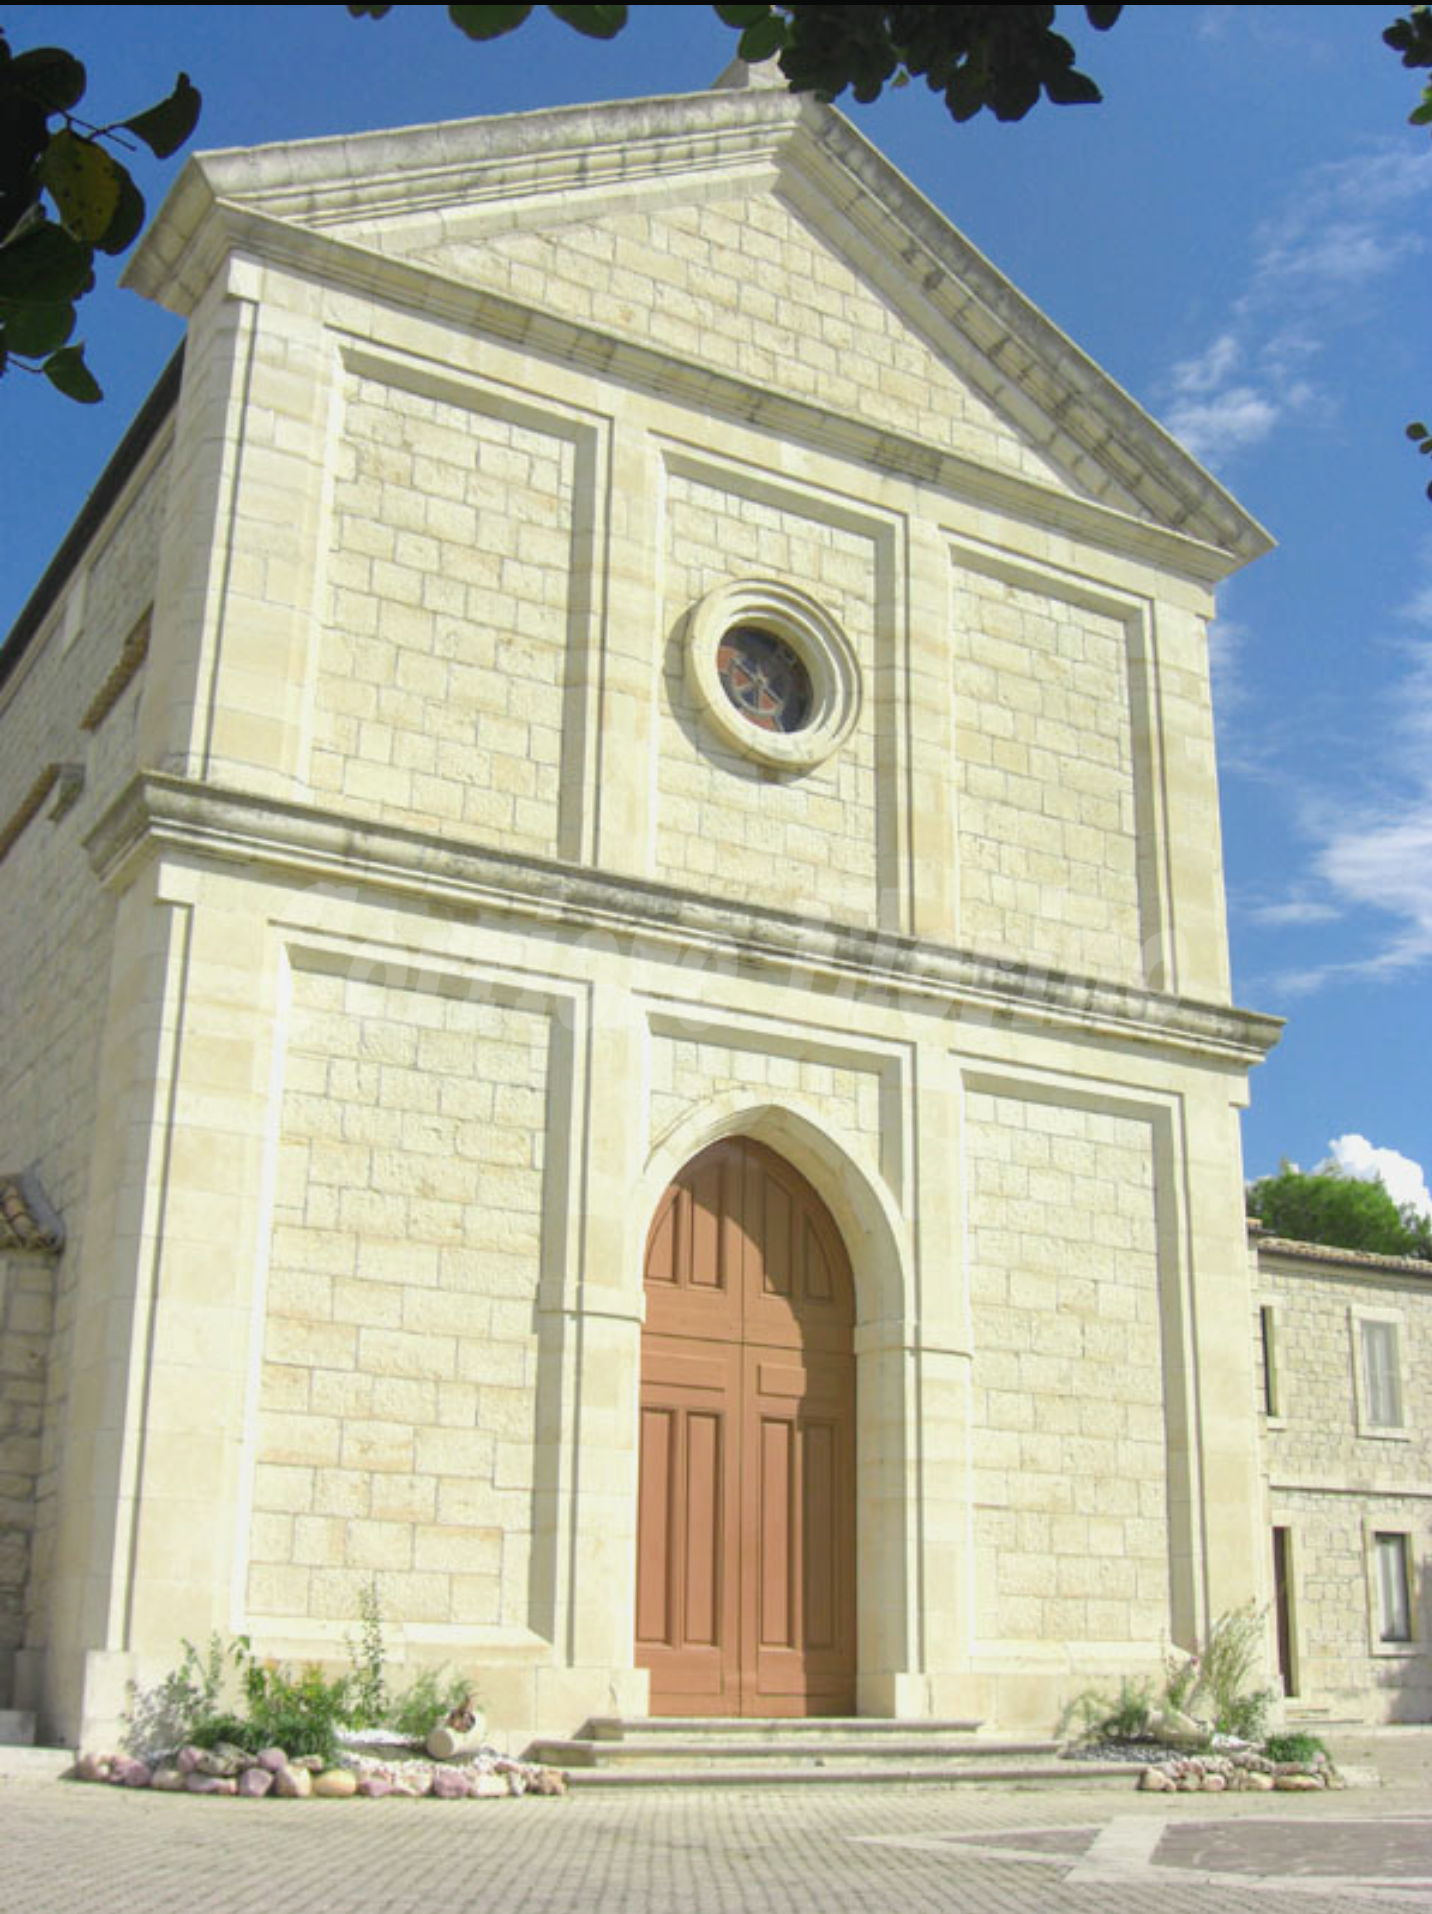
point(366, 197)
point(159, 815)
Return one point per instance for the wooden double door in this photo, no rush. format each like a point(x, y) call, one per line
point(746, 1524)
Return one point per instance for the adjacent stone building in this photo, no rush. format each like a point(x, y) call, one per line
point(610, 866)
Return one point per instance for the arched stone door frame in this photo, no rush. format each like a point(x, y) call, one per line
point(888, 1443)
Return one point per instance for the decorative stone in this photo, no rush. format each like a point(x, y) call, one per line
point(375, 1786)
point(1154, 1781)
point(1214, 1784)
point(1298, 1784)
point(1257, 1782)
point(223, 1760)
point(450, 1785)
point(255, 1782)
point(168, 1780)
point(335, 1784)
point(92, 1767)
point(138, 1774)
point(294, 1783)
point(189, 1759)
point(273, 1759)
point(549, 1781)
point(197, 1782)
point(315, 1764)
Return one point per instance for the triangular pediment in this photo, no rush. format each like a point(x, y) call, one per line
point(750, 235)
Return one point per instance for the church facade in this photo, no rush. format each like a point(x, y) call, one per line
point(624, 1024)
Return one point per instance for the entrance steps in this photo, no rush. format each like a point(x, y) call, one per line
point(674, 1751)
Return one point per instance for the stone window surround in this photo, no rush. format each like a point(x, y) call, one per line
point(1367, 1425)
point(1375, 1530)
point(1271, 1399)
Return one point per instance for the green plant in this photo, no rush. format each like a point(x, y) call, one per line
point(1124, 1717)
point(1231, 1655)
point(368, 1686)
point(429, 1697)
point(1293, 1747)
point(181, 1707)
point(1181, 1681)
point(300, 1713)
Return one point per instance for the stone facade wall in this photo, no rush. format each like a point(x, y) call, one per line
point(26, 1316)
point(56, 930)
point(396, 1423)
point(685, 1073)
point(1334, 1481)
point(1068, 1433)
point(1044, 774)
point(724, 823)
point(746, 286)
point(440, 695)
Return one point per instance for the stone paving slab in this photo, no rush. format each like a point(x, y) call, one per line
point(769, 1851)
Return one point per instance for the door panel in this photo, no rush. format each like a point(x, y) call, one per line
point(746, 1550)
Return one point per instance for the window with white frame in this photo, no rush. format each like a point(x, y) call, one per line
point(1377, 1367)
point(1392, 1581)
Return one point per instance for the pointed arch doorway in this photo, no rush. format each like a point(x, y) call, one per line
point(746, 1518)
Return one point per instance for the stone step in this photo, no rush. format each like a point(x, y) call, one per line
point(34, 1764)
point(1038, 1774)
point(17, 1728)
point(757, 1727)
point(768, 1753)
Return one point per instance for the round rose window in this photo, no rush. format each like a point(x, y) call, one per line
point(764, 678)
point(772, 672)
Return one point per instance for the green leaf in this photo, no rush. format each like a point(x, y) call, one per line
point(1102, 18)
point(740, 16)
point(1417, 430)
point(164, 128)
point(1422, 115)
point(37, 329)
point(128, 217)
point(83, 181)
point(1072, 89)
point(44, 263)
point(487, 23)
point(760, 41)
point(49, 76)
point(67, 372)
point(598, 23)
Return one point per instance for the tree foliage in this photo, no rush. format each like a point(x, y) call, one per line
point(1000, 57)
point(65, 195)
point(1412, 38)
point(1341, 1211)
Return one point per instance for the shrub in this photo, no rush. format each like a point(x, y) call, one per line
point(1293, 1747)
point(300, 1713)
point(368, 1684)
point(429, 1698)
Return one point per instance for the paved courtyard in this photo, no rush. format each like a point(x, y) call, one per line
point(770, 1850)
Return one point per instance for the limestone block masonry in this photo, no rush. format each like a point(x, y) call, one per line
point(420, 917)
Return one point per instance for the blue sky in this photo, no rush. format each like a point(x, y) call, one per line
point(1238, 235)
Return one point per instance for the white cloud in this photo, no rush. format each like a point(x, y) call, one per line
point(1212, 428)
point(1313, 274)
point(1403, 1179)
point(1296, 910)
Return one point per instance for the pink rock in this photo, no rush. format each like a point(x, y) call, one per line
point(138, 1775)
point(197, 1783)
point(189, 1759)
point(449, 1785)
point(375, 1786)
point(254, 1783)
point(273, 1759)
point(294, 1783)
